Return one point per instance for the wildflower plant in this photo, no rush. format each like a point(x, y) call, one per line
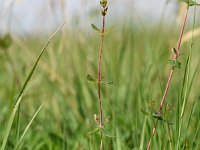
point(174, 64)
point(100, 79)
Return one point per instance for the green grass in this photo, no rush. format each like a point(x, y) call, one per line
point(134, 59)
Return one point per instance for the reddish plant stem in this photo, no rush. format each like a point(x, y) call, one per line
point(170, 77)
point(175, 58)
point(99, 73)
point(154, 130)
point(166, 89)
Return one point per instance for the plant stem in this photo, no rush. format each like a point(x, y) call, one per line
point(101, 145)
point(175, 58)
point(186, 93)
point(99, 73)
point(154, 130)
point(170, 76)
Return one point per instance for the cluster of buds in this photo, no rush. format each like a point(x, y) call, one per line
point(103, 3)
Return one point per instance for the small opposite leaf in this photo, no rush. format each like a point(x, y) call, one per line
point(106, 31)
point(157, 116)
point(110, 82)
point(160, 117)
point(90, 78)
point(95, 28)
point(174, 63)
point(175, 51)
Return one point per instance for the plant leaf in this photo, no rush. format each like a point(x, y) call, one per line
point(160, 117)
point(90, 78)
point(110, 82)
point(174, 63)
point(106, 31)
point(157, 116)
point(174, 51)
point(95, 28)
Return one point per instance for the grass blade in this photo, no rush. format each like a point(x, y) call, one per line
point(10, 122)
point(195, 136)
point(188, 124)
point(186, 93)
point(143, 134)
point(28, 126)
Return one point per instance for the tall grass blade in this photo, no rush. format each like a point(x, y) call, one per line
point(187, 85)
point(195, 136)
point(189, 121)
point(10, 122)
point(28, 126)
point(143, 134)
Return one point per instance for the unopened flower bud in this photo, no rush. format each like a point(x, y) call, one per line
point(103, 3)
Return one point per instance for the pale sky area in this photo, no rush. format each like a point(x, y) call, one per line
point(38, 16)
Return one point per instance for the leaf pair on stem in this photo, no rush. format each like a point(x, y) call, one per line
point(91, 79)
point(99, 31)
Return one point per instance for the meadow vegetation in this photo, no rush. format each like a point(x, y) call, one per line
point(57, 106)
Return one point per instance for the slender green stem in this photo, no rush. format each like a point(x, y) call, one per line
point(169, 137)
point(101, 145)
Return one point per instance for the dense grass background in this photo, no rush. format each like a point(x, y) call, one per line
point(134, 57)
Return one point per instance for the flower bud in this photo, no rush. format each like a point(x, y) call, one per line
point(103, 3)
